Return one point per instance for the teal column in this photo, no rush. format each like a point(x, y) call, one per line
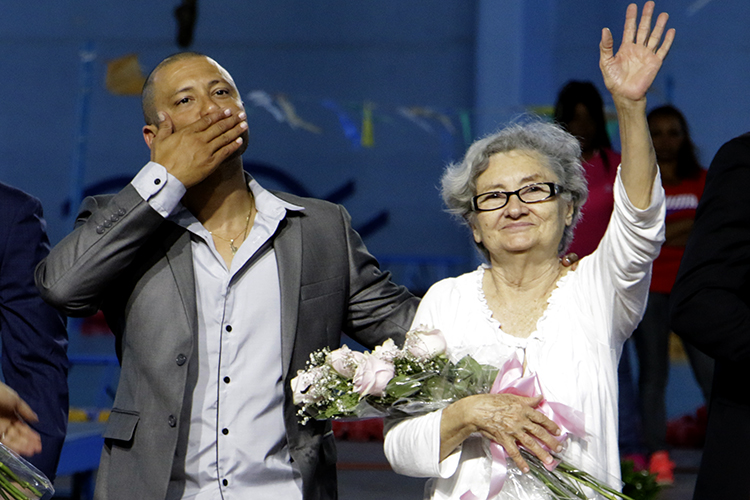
point(515, 44)
point(498, 79)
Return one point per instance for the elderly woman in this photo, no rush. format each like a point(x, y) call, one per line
point(520, 191)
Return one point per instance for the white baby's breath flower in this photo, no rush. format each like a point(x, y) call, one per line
point(387, 351)
point(308, 386)
point(344, 361)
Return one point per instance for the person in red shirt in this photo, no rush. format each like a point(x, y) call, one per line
point(580, 110)
point(683, 179)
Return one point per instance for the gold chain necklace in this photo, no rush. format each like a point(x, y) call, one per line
point(231, 241)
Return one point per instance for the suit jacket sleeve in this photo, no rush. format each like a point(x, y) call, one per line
point(378, 308)
point(110, 232)
point(709, 301)
point(34, 338)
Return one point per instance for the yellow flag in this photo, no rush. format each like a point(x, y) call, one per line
point(124, 76)
point(368, 139)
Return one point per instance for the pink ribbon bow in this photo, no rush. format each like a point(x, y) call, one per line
point(511, 380)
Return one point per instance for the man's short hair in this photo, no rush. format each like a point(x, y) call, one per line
point(147, 94)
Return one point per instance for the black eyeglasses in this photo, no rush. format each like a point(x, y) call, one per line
point(533, 193)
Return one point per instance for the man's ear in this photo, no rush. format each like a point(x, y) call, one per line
point(149, 132)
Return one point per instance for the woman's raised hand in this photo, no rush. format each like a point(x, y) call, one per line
point(629, 73)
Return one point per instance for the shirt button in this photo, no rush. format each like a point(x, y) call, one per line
point(225, 482)
point(99, 230)
point(180, 360)
point(114, 217)
point(226, 380)
point(107, 223)
point(225, 431)
point(172, 421)
point(121, 212)
point(157, 181)
point(228, 328)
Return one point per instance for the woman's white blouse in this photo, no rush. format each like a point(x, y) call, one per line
point(574, 350)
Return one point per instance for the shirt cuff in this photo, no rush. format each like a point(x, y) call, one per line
point(412, 447)
point(159, 188)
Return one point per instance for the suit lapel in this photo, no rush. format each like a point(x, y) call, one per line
point(288, 247)
point(180, 258)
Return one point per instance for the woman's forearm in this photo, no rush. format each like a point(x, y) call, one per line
point(453, 428)
point(638, 156)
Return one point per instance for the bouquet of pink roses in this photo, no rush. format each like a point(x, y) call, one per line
point(388, 381)
point(419, 378)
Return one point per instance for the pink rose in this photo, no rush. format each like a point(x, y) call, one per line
point(345, 361)
point(425, 344)
point(305, 386)
point(372, 376)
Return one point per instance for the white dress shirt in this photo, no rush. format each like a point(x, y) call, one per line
point(237, 441)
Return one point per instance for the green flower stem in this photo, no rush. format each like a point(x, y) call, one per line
point(604, 490)
point(7, 486)
point(560, 492)
point(9, 473)
point(565, 472)
point(563, 489)
point(8, 477)
point(585, 476)
point(4, 469)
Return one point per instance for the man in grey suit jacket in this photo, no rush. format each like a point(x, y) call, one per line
point(216, 291)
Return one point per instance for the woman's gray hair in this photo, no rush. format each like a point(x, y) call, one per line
point(562, 151)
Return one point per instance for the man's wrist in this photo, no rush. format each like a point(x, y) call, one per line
point(159, 188)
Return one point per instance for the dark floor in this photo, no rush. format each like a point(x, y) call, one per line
point(364, 475)
point(686, 469)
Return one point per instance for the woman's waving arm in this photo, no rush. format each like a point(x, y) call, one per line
point(628, 74)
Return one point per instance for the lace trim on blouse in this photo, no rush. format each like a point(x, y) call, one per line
point(504, 337)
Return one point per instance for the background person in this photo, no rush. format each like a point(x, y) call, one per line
point(710, 308)
point(34, 338)
point(683, 180)
point(580, 111)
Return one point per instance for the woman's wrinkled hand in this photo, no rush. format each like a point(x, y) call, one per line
point(506, 419)
point(629, 73)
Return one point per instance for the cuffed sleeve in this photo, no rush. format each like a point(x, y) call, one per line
point(412, 447)
point(159, 188)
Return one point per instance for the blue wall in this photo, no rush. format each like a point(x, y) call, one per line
point(486, 60)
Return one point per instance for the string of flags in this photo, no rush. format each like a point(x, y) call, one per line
point(356, 119)
point(429, 119)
